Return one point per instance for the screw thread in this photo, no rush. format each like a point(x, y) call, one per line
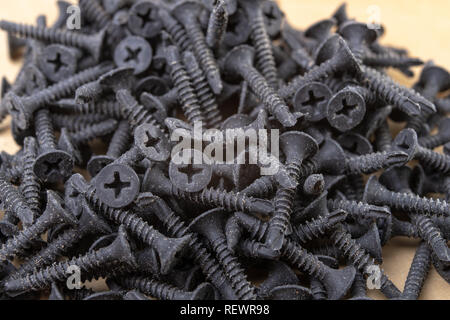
point(312, 229)
point(57, 272)
point(432, 142)
point(44, 130)
point(186, 93)
point(49, 35)
point(12, 200)
point(30, 186)
point(76, 123)
point(238, 279)
point(431, 234)
point(318, 291)
point(373, 162)
point(352, 250)
point(389, 59)
point(177, 228)
point(120, 140)
point(383, 139)
point(156, 289)
point(66, 87)
point(95, 12)
point(55, 249)
point(414, 203)
point(206, 98)
point(217, 25)
point(355, 208)
point(132, 223)
point(204, 55)
point(103, 107)
point(416, 123)
point(176, 31)
point(303, 260)
point(261, 187)
point(134, 112)
point(230, 201)
point(433, 159)
point(417, 272)
point(272, 101)
point(284, 200)
point(383, 87)
point(94, 131)
point(265, 60)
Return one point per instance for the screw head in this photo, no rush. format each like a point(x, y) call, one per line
point(434, 75)
point(134, 52)
point(238, 29)
point(234, 59)
point(57, 62)
point(320, 30)
point(290, 292)
point(355, 143)
point(97, 163)
point(55, 212)
point(152, 142)
point(358, 33)
point(407, 142)
point(189, 176)
point(53, 166)
point(117, 185)
point(152, 85)
point(273, 17)
point(311, 100)
point(346, 109)
point(144, 19)
point(154, 105)
point(16, 109)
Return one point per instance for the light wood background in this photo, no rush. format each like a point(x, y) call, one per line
point(422, 26)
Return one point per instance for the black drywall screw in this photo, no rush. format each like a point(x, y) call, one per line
point(433, 79)
point(58, 62)
point(134, 52)
point(376, 193)
point(297, 146)
point(30, 186)
point(187, 12)
point(94, 12)
point(417, 273)
point(389, 59)
point(361, 259)
point(51, 164)
point(330, 60)
point(407, 142)
point(117, 146)
point(76, 122)
point(53, 214)
point(217, 25)
point(88, 223)
point(186, 93)
point(263, 50)
point(13, 201)
point(358, 36)
point(177, 228)
point(164, 291)
point(206, 97)
point(313, 229)
point(279, 274)
point(359, 288)
point(106, 107)
point(144, 19)
point(91, 43)
point(359, 210)
point(314, 185)
point(439, 139)
point(405, 100)
point(311, 100)
point(210, 225)
point(238, 63)
point(157, 183)
point(168, 249)
point(71, 141)
point(22, 109)
point(119, 252)
point(176, 31)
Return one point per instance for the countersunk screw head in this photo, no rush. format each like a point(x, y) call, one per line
point(144, 19)
point(117, 185)
point(190, 177)
point(53, 165)
point(312, 100)
point(97, 163)
point(152, 142)
point(58, 62)
point(134, 52)
point(346, 109)
point(355, 143)
point(407, 142)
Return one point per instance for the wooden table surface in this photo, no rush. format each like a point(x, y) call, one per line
point(421, 26)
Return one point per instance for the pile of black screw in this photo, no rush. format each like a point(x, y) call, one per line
point(104, 100)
